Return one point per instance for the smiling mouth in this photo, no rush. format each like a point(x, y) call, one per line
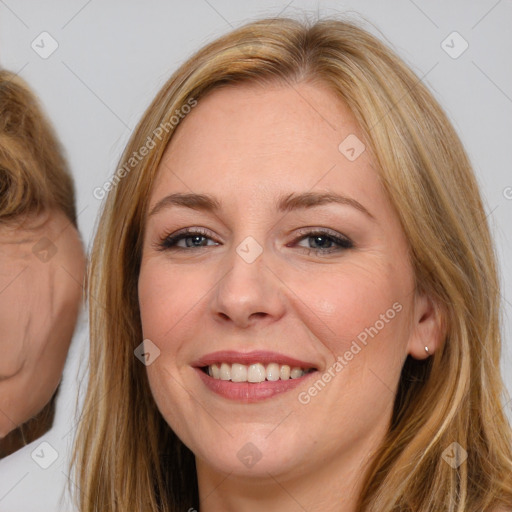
point(254, 373)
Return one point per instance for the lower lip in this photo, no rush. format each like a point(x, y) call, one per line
point(249, 392)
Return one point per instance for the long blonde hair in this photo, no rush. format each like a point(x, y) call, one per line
point(126, 455)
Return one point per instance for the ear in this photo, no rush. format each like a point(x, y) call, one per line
point(428, 327)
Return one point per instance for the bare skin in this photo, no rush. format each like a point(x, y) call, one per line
point(42, 265)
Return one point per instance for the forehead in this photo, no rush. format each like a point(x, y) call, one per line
point(27, 228)
point(283, 138)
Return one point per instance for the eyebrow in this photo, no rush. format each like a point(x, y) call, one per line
point(206, 202)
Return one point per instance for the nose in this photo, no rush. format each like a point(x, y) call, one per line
point(248, 293)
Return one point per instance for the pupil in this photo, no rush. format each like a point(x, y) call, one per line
point(318, 239)
point(196, 238)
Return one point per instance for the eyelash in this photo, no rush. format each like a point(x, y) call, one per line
point(169, 242)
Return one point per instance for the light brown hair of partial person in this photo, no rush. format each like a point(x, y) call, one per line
point(129, 459)
point(34, 175)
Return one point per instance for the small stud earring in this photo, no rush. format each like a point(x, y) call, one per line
point(426, 350)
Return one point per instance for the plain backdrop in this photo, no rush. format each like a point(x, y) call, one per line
point(110, 58)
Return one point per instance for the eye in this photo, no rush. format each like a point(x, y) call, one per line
point(320, 241)
point(189, 238)
point(323, 241)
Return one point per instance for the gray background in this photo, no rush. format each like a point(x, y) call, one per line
point(113, 56)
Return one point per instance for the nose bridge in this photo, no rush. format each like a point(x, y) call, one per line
point(248, 289)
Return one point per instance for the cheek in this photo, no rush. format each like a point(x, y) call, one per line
point(361, 319)
point(363, 308)
point(38, 312)
point(361, 316)
point(166, 298)
point(346, 304)
point(15, 321)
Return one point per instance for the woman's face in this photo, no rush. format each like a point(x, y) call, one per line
point(42, 266)
point(295, 261)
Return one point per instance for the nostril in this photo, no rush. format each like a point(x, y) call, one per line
point(258, 315)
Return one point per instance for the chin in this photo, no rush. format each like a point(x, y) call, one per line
point(254, 454)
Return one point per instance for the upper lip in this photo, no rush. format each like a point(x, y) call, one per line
point(247, 358)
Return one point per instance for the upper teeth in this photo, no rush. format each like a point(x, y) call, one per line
point(254, 372)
